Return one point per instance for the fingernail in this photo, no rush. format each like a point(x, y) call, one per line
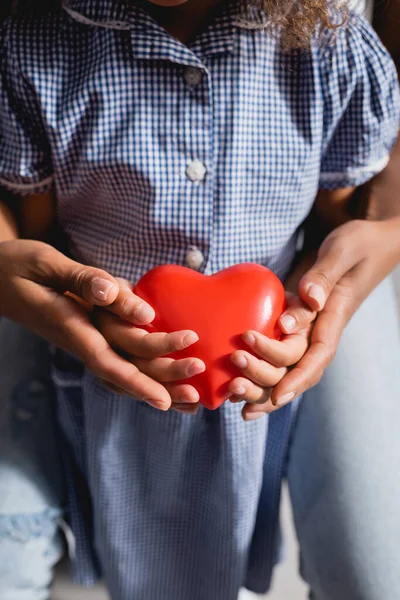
point(235, 400)
point(101, 288)
point(317, 293)
point(249, 339)
point(190, 338)
point(288, 322)
point(239, 391)
point(240, 361)
point(195, 368)
point(159, 405)
point(187, 410)
point(254, 416)
point(144, 314)
point(285, 399)
point(187, 400)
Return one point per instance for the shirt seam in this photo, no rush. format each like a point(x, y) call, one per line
point(26, 187)
point(375, 167)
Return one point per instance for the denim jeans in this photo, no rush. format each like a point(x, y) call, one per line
point(344, 463)
point(343, 468)
point(30, 470)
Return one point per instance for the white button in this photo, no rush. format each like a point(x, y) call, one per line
point(193, 76)
point(196, 171)
point(194, 258)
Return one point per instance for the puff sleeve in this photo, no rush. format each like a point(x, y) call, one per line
point(25, 158)
point(361, 106)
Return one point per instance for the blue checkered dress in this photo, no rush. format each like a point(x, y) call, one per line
point(154, 148)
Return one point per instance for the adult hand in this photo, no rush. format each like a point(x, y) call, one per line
point(351, 262)
point(148, 353)
point(34, 278)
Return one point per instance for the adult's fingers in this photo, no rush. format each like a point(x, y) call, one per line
point(66, 324)
point(336, 257)
point(44, 264)
point(129, 307)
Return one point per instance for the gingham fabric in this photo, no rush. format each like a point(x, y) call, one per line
point(155, 148)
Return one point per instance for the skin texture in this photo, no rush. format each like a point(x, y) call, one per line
point(353, 259)
point(112, 344)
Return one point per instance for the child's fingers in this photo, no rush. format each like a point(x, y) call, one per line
point(245, 390)
point(279, 353)
point(129, 307)
point(186, 409)
point(127, 338)
point(182, 394)
point(253, 412)
point(167, 369)
point(258, 371)
point(297, 317)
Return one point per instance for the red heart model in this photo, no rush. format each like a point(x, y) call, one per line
point(219, 308)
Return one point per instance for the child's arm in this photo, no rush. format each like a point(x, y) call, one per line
point(34, 278)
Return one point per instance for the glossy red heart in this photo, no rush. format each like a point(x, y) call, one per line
point(219, 308)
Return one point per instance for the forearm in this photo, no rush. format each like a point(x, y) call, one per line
point(29, 217)
point(379, 199)
point(386, 23)
point(8, 224)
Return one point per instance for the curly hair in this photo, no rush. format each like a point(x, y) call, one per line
point(295, 21)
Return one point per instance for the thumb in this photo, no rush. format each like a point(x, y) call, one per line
point(333, 262)
point(95, 286)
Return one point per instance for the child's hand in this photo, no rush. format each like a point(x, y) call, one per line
point(34, 278)
point(147, 352)
point(261, 375)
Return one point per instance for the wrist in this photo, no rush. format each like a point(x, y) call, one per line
point(391, 236)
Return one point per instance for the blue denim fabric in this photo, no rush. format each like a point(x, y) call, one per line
point(31, 485)
point(344, 463)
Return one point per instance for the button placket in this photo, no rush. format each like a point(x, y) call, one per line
point(198, 151)
point(196, 171)
point(193, 76)
point(194, 258)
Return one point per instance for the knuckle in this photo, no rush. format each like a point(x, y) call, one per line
point(327, 352)
point(300, 371)
point(165, 344)
point(322, 279)
point(94, 361)
point(306, 315)
point(78, 278)
point(317, 378)
point(125, 306)
point(40, 261)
